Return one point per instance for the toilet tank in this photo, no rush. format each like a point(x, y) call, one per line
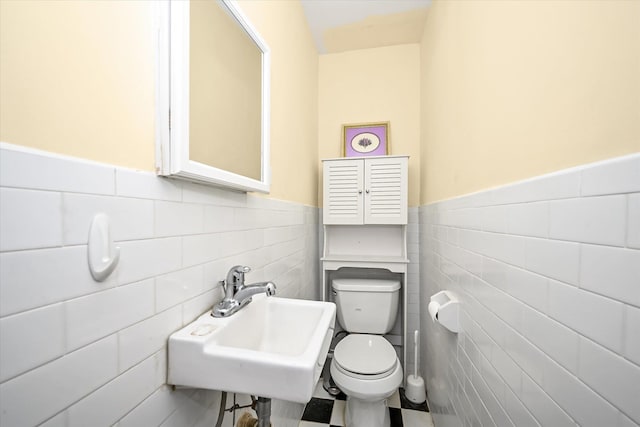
point(366, 306)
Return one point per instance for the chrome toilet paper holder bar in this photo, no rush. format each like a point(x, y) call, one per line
point(444, 308)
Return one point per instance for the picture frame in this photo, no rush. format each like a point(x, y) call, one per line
point(365, 139)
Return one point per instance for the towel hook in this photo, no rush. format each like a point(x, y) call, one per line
point(103, 254)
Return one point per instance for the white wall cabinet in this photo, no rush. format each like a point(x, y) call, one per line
point(371, 190)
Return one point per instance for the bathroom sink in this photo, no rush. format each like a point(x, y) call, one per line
point(273, 347)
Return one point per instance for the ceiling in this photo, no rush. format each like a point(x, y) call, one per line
point(342, 25)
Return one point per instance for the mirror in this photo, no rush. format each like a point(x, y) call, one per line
point(213, 112)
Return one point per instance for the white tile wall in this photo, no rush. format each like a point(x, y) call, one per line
point(614, 176)
point(591, 315)
point(618, 382)
point(106, 405)
point(75, 352)
point(98, 315)
point(19, 168)
point(599, 220)
point(632, 334)
point(131, 219)
point(31, 338)
point(30, 219)
point(41, 393)
point(61, 274)
point(613, 272)
point(554, 259)
point(548, 275)
point(633, 216)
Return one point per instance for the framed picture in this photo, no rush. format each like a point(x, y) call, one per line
point(366, 139)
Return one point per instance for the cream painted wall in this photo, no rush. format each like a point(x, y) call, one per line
point(512, 90)
point(372, 85)
point(496, 92)
point(294, 98)
point(78, 78)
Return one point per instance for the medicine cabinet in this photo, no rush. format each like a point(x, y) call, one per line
point(213, 96)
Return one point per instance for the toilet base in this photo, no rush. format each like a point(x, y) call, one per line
point(360, 413)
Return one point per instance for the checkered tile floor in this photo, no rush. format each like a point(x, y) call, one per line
point(325, 410)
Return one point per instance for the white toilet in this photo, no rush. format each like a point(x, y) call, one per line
point(365, 365)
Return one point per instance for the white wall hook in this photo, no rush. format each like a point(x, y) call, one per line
point(103, 254)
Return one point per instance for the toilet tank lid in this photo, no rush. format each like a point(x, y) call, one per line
point(365, 285)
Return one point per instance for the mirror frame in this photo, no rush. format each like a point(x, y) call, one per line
point(172, 118)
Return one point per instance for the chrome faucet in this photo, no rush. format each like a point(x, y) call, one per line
point(237, 294)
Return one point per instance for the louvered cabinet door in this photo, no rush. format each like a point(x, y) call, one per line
point(343, 191)
point(385, 190)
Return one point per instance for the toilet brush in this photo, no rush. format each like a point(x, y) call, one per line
point(415, 391)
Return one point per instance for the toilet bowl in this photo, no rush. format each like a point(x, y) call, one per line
point(365, 365)
point(366, 368)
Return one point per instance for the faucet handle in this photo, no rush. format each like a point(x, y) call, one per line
point(239, 271)
point(235, 276)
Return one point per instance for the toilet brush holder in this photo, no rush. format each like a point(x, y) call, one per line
point(415, 390)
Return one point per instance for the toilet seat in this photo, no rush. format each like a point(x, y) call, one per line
point(366, 387)
point(365, 356)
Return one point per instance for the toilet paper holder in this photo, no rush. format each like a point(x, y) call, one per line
point(444, 308)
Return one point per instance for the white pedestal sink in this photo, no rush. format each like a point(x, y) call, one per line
point(273, 348)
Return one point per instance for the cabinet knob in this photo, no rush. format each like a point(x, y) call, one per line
point(367, 191)
point(359, 191)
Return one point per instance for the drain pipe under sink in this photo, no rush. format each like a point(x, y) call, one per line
point(264, 412)
point(223, 403)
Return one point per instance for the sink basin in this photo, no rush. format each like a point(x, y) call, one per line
point(273, 347)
